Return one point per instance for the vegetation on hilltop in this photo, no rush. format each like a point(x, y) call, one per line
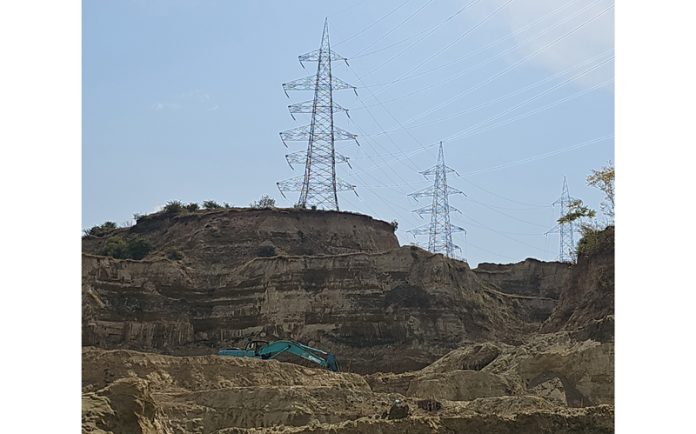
point(590, 228)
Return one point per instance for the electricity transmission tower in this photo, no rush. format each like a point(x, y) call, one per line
point(440, 229)
point(318, 186)
point(565, 230)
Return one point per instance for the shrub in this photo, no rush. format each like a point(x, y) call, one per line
point(174, 254)
point(116, 247)
point(132, 248)
point(173, 207)
point(138, 248)
point(265, 202)
point(192, 207)
point(211, 204)
point(227, 205)
point(593, 237)
point(394, 224)
point(102, 229)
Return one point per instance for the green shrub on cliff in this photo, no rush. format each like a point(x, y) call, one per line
point(173, 207)
point(265, 202)
point(594, 239)
point(211, 204)
point(131, 248)
point(102, 229)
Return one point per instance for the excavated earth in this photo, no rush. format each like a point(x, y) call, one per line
point(425, 343)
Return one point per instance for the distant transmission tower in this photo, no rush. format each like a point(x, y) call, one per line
point(440, 229)
point(319, 185)
point(566, 230)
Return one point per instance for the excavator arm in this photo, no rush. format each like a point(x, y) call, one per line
point(274, 349)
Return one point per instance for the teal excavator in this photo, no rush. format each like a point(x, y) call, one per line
point(268, 350)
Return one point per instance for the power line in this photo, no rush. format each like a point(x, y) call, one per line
point(426, 35)
point(504, 235)
point(392, 116)
point(515, 162)
point(509, 68)
point(506, 214)
point(462, 36)
point(374, 23)
point(515, 92)
point(394, 28)
point(481, 127)
point(493, 43)
point(503, 197)
point(538, 157)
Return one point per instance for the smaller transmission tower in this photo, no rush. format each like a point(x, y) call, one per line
point(565, 230)
point(440, 229)
point(319, 185)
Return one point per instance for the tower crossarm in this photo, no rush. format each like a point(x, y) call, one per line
point(452, 190)
point(296, 184)
point(426, 192)
point(451, 208)
point(433, 170)
point(315, 55)
point(457, 229)
point(310, 83)
point(309, 107)
point(300, 157)
point(305, 132)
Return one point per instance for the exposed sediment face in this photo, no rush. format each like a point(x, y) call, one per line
point(230, 237)
point(462, 349)
point(359, 305)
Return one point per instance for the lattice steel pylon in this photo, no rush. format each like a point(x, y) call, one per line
point(440, 228)
point(566, 231)
point(319, 184)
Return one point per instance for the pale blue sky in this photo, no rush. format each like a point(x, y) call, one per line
point(182, 99)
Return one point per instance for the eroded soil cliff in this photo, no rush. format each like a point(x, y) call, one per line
point(521, 347)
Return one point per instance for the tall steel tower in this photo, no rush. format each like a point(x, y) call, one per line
point(565, 230)
point(319, 185)
point(440, 229)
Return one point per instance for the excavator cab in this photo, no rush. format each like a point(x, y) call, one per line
point(255, 345)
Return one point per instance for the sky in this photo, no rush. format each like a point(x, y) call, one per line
point(183, 100)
